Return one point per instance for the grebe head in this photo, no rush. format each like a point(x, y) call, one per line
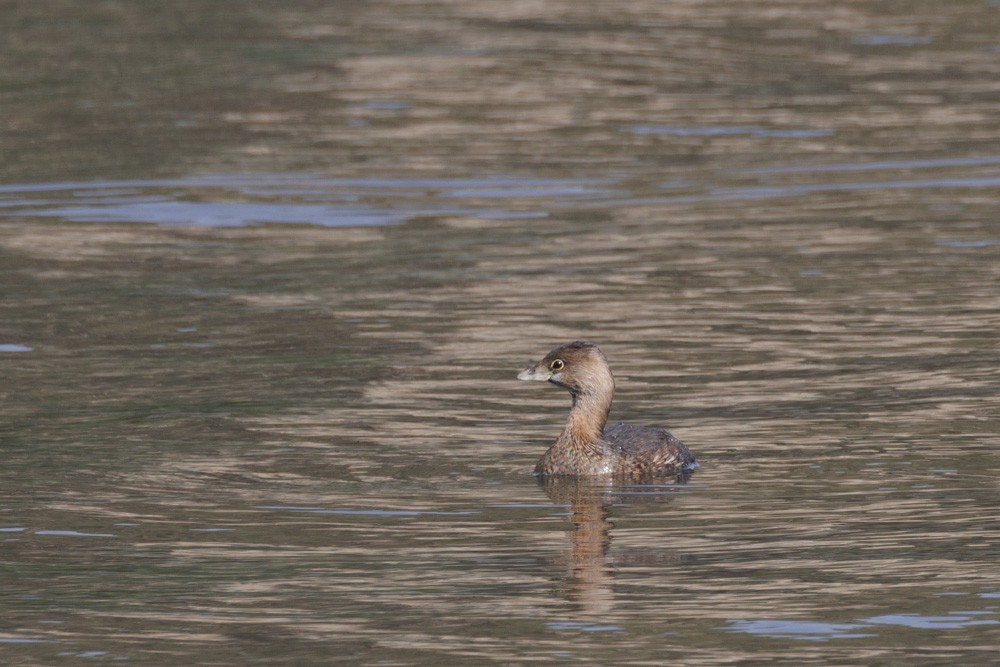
point(579, 367)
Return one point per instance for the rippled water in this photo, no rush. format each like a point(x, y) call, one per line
point(268, 275)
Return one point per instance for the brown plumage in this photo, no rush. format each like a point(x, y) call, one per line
point(586, 446)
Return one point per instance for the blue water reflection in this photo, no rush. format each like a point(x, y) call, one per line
point(821, 631)
point(238, 201)
point(350, 202)
point(807, 630)
point(729, 130)
point(955, 619)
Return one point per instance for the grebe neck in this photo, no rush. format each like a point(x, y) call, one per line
point(587, 417)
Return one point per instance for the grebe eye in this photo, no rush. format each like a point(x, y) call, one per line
point(557, 365)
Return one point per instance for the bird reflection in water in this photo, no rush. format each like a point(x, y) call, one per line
point(589, 583)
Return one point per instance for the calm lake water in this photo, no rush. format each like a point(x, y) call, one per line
point(269, 271)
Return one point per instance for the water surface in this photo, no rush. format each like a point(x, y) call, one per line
point(269, 273)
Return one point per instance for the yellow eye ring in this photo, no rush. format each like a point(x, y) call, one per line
point(557, 365)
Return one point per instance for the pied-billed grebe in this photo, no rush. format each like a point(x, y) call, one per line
point(585, 447)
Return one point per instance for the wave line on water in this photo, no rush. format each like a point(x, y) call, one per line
point(364, 512)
